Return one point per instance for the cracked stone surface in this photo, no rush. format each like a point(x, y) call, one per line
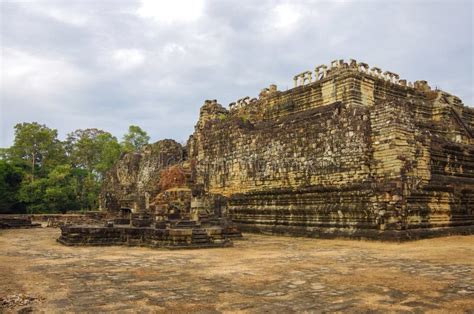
point(260, 274)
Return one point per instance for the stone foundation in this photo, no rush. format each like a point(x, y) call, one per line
point(329, 232)
point(16, 221)
point(170, 238)
point(58, 220)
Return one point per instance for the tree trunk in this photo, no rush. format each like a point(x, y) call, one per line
point(33, 155)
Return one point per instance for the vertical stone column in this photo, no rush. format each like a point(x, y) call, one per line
point(147, 201)
point(317, 71)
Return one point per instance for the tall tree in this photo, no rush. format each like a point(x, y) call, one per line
point(109, 153)
point(67, 175)
point(92, 152)
point(61, 191)
point(92, 149)
point(135, 139)
point(33, 144)
point(83, 148)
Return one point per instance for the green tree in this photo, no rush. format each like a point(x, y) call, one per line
point(43, 174)
point(32, 195)
point(35, 144)
point(83, 148)
point(109, 154)
point(60, 192)
point(135, 139)
point(4, 154)
point(87, 188)
point(10, 183)
point(92, 152)
point(55, 193)
point(92, 149)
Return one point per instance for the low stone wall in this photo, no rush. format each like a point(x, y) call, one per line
point(75, 235)
point(16, 221)
point(58, 220)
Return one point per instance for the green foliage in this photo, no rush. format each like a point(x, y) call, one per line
point(60, 193)
point(37, 146)
point(83, 148)
point(223, 117)
point(10, 182)
point(32, 194)
point(87, 188)
point(92, 149)
point(42, 174)
point(135, 139)
point(244, 117)
point(109, 154)
point(56, 193)
point(4, 153)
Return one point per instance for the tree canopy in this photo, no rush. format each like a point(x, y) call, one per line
point(92, 149)
point(10, 183)
point(135, 139)
point(36, 145)
point(41, 174)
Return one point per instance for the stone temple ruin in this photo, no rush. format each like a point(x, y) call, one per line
point(349, 151)
point(147, 198)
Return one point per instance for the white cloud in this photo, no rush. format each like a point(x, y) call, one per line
point(35, 88)
point(128, 59)
point(63, 14)
point(152, 63)
point(286, 16)
point(170, 11)
point(337, 40)
point(173, 50)
point(28, 76)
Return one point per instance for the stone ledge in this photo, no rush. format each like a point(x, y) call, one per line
point(360, 234)
point(16, 222)
point(126, 235)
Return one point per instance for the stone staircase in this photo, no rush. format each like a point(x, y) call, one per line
point(199, 236)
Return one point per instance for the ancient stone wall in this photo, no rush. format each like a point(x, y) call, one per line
point(319, 146)
point(134, 180)
point(352, 152)
point(58, 220)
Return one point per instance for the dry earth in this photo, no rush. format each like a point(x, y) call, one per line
point(260, 274)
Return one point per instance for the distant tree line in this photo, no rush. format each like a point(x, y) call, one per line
point(41, 174)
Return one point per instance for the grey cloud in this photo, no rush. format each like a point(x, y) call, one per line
point(234, 49)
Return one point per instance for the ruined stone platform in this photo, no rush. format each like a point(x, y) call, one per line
point(150, 236)
point(17, 221)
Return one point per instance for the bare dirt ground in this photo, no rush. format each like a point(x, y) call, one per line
point(260, 274)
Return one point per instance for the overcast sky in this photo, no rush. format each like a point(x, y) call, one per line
point(108, 64)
